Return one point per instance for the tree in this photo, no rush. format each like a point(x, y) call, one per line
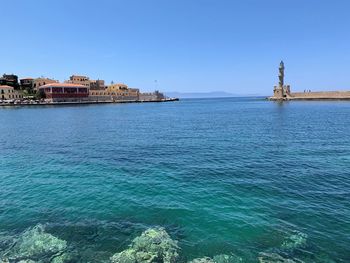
point(40, 94)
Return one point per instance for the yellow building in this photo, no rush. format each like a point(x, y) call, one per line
point(100, 95)
point(78, 79)
point(9, 93)
point(121, 91)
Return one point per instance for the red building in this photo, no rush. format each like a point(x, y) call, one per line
point(65, 92)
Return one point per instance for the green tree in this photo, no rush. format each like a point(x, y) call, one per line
point(40, 94)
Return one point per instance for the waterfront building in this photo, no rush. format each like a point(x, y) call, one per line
point(100, 95)
point(121, 91)
point(9, 80)
point(80, 80)
point(9, 93)
point(86, 81)
point(26, 84)
point(65, 92)
point(38, 82)
point(97, 84)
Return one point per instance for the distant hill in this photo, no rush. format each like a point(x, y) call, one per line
point(192, 95)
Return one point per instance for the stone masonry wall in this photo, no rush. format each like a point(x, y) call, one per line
point(321, 95)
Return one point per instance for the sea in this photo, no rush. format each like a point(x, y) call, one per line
point(256, 180)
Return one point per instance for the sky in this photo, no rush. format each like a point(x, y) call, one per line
point(186, 45)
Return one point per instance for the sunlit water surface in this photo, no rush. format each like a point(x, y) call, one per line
point(222, 176)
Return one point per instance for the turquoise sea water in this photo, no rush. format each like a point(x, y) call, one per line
point(222, 176)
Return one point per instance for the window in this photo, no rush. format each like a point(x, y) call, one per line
point(82, 90)
point(57, 90)
point(70, 90)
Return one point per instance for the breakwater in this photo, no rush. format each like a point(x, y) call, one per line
point(283, 92)
point(314, 95)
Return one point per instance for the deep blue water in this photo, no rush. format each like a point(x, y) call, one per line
point(233, 175)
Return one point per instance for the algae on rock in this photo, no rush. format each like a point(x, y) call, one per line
point(294, 241)
point(202, 260)
point(222, 258)
point(35, 245)
point(273, 258)
point(154, 245)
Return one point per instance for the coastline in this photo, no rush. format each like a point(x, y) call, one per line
point(85, 102)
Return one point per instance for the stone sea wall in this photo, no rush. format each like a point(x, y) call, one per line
point(321, 95)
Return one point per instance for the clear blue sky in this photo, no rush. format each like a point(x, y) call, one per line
point(187, 45)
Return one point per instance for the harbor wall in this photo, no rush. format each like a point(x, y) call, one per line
point(320, 95)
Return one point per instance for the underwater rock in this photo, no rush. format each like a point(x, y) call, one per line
point(202, 260)
point(294, 241)
point(273, 258)
point(37, 246)
point(218, 259)
point(227, 259)
point(154, 245)
point(21, 261)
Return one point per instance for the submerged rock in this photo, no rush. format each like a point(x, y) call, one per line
point(294, 241)
point(273, 258)
point(287, 252)
point(227, 259)
point(218, 259)
point(154, 245)
point(202, 260)
point(35, 245)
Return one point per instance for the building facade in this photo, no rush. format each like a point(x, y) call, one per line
point(100, 95)
point(80, 80)
point(26, 84)
point(9, 93)
point(38, 82)
point(65, 92)
point(121, 92)
point(97, 84)
point(86, 81)
point(9, 80)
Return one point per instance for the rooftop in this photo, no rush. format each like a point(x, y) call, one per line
point(5, 87)
point(63, 85)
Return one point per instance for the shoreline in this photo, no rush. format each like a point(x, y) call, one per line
point(85, 102)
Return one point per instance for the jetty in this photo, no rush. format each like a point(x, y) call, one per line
point(283, 92)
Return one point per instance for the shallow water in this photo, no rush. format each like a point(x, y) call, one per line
point(221, 176)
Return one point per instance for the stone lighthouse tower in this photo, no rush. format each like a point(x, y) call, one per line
point(281, 91)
